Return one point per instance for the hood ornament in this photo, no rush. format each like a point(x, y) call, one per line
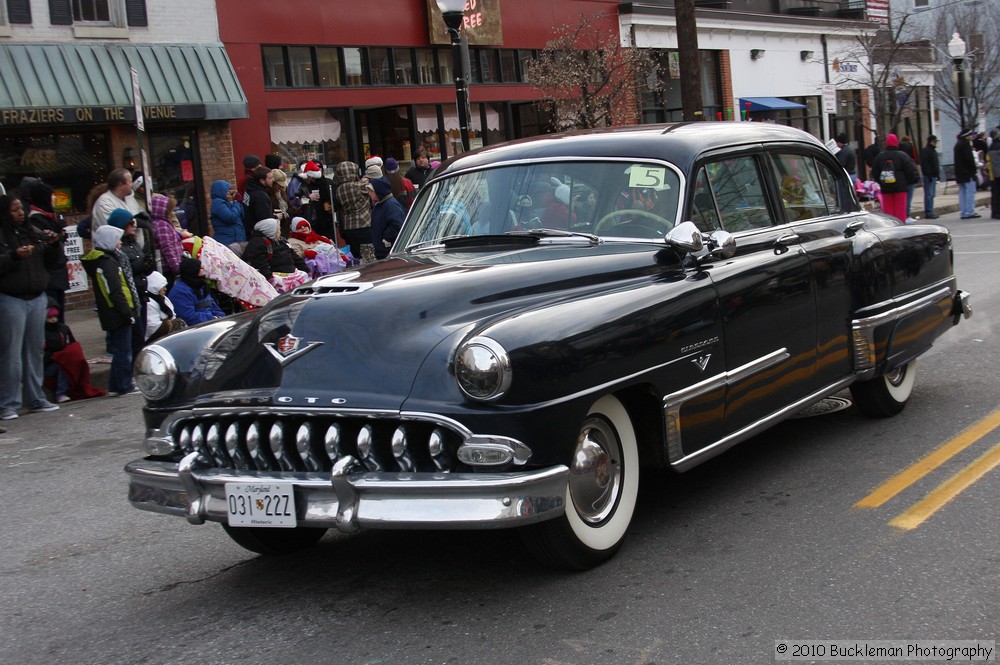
point(289, 348)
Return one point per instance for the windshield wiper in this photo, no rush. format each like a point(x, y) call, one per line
point(434, 243)
point(555, 233)
point(529, 237)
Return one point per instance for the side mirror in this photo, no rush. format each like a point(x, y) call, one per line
point(686, 238)
point(722, 244)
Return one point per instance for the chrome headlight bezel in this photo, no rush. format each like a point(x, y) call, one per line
point(155, 372)
point(482, 369)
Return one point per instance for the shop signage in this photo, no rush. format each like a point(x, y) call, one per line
point(74, 266)
point(97, 115)
point(482, 26)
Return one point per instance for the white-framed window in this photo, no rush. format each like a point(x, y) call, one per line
point(104, 19)
point(91, 11)
point(921, 4)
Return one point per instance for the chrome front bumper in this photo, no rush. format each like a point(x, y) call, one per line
point(349, 499)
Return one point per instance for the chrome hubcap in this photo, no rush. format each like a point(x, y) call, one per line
point(595, 473)
point(896, 376)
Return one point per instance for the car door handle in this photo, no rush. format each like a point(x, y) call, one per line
point(787, 239)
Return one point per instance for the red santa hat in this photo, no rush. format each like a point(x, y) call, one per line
point(301, 224)
point(311, 170)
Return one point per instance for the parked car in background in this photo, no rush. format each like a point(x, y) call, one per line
point(557, 314)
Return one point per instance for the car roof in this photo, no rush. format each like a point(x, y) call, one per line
point(679, 143)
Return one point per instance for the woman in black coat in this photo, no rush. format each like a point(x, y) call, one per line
point(42, 215)
point(257, 199)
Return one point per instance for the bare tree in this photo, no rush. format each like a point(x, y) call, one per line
point(884, 59)
point(979, 27)
point(587, 75)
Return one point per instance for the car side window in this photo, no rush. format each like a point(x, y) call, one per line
point(736, 186)
point(703, 212)
point(804, 193)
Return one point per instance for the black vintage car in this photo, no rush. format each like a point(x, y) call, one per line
point(556, 315)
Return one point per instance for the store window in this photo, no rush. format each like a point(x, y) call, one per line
point(274, 67)
point(402, 58)
point(493, 131)
point(508, 66)
point(309, 134)
point(355, 65)
point(426, 69)
point(301, 66)
point(71, 163)
point(328, 67)
point(428, 133)
point(381, 66)
point(524, 59)
point(172, 159)
point(485, 69)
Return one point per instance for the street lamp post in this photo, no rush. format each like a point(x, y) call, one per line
point(956, 49)
point(453, 12)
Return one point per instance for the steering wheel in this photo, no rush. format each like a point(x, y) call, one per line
point(605, 221)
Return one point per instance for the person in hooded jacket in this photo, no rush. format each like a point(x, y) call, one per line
point(117, 301)
point(269, 253)
point(257, 199)
point(141, 261)
point(192, 300)
point(42, 215)
point(894, 170)
point(160, 317)
point(387, 217)
point(26, 254)
point(166, 237)
point(227, 215)
point(354, 208)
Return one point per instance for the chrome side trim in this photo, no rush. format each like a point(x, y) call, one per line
point(863, 329)
point(349, 499)
point(673, 402)
point(724, 444)
point(899, 311)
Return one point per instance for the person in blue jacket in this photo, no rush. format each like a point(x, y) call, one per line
point(227, 214)
point(387, 216)
point(192, 300)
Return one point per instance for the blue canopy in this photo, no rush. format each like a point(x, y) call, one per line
point(768, 104)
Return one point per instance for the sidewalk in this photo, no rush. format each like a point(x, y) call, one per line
point(87, 329)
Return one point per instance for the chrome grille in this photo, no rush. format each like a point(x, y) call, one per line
point(268, 442)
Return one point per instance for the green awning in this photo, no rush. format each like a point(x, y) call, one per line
point(90, 82)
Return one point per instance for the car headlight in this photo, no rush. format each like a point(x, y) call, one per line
point(155, 372)
point(482, 368)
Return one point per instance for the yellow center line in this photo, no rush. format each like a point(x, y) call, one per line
point(929, 462)
point(947, 491)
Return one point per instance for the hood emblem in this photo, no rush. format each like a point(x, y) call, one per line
point(289, 348)
point(702, 361)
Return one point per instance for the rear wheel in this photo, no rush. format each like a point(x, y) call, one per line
point(886, 395)
point(274, 542)
point(600, 495)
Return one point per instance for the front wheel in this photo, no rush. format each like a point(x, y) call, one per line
point(600, 495)
point(886, 395)
point(274, 542)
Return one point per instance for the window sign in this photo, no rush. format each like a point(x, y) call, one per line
point(481, 25)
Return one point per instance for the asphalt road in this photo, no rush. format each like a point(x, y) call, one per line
point(764, 543)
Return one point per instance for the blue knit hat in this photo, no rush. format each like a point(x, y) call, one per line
point(120, 217)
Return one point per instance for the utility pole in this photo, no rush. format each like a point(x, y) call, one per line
point(690, 60)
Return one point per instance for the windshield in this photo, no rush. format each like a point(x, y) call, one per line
point(610, 199)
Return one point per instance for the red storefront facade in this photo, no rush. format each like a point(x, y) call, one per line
point(339, 81)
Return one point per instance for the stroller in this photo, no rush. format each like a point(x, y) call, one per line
point(869, 194)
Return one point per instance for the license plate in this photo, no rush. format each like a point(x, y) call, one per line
point(266, 504)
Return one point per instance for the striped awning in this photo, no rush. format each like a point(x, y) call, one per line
point(91, 82)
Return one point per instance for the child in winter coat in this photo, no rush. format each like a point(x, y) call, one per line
point(66, 368)
point(160, 317)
